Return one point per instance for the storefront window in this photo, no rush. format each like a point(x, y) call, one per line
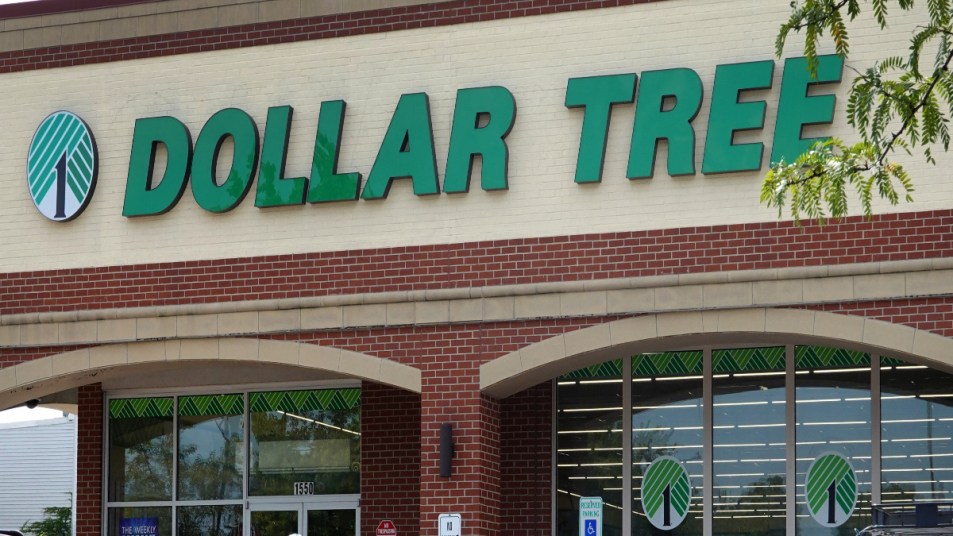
point(748, 435)
point(209, 520)
point(140, 449)
point(305, 436)
point(667, 420)
point(916, 433)
point(211, 447)
point(832, 389)
point(301, 445)
point(589, 445)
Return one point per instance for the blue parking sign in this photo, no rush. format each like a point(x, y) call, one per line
point(591, 527)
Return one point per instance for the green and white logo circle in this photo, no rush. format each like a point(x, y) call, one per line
point(831, 489)
point(61, 166)
point(666, 493)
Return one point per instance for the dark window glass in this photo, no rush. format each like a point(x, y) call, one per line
point(916, 433)
point(140, 449)
point(208, 520)
point(832, 389)
point(211, 447)
point(589, 446)
point(667, 413)
point(332, 523)
point(749, 455)
point(305, 436)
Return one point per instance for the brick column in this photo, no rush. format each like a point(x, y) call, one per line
point(89, 462)
point(452, 395)
point(526, 446)
point(390, 458)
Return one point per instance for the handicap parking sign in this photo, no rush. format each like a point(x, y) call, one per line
point(590, 527)
point(590, 516)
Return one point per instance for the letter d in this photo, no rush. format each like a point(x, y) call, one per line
point(143, 196)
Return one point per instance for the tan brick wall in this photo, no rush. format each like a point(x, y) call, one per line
point(533, 56)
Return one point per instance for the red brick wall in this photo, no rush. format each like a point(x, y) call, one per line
point(526, 462)
point(390, 459)
point(325, 27)
point(929, 314)
point(89, 461)
point(14, 356)
point(889, 237)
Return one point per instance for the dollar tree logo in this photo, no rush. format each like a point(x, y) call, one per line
point(831, 490)
point(61, 166)
point(666, 493)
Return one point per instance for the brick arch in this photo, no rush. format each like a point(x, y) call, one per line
point(547, 359)
point(68, 370)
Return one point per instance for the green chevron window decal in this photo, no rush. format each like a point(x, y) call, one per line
point(822, 357)
point(770, 359)
point(301, 401)
point(62, 166)
point(609, 369)
point(135, 408)
point(667, 364)
point(891, 362)
point(210, 405)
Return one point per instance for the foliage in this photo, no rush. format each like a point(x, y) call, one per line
point(57, 521)
point(901, 103)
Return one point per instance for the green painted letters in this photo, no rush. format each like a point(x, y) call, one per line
point(796, 108)
point(596, 94)
point(274, 190)
point(234, 123)
point(728, 116)
point(653, 122)
point(468, 138)
point(326, 183)
point(407, 150)
point(143, 197)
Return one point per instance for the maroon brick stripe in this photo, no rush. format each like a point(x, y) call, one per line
point(888, 237)
point(324, 27)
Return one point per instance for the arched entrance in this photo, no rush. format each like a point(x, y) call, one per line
point(746, 404)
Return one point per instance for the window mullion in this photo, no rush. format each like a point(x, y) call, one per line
point(246, 448)
point(627, 446)
point(875, 431)
point(175, 462)
point(790, 416)
point(708, 475)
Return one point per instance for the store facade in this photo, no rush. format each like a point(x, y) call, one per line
point(349, 269)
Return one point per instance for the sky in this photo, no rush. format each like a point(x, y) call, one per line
point(21, 414)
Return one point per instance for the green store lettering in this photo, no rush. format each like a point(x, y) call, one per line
point(668, 101)
point(482, 119)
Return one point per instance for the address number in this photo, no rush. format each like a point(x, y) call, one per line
point(304, 488)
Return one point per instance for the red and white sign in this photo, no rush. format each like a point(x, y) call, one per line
point(386, 528)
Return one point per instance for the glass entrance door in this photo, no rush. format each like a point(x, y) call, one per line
point(331, 523)
point(304, 518)
point(274, 522)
